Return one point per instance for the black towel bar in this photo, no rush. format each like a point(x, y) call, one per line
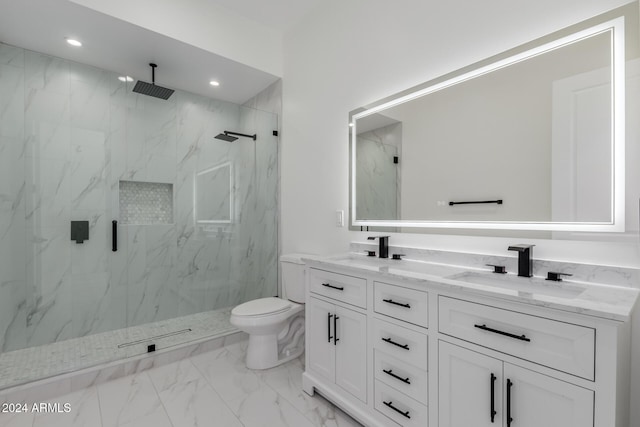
point(497, 202)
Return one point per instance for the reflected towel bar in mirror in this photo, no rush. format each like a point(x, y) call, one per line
point(498, 202)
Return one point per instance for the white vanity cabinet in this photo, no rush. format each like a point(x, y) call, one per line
point(337, 345)
point(427, 352)
point(478, 390)
point(336, 332)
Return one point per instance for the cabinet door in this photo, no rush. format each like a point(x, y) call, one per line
point(467, 382)
point(538, 400)
point(319, 318)
point(351, 352)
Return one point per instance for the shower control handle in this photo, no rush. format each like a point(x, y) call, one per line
point(114, 235)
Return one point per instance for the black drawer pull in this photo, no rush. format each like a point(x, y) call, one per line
point(506, 334)
point(333, 287)
point(329, 316)
point(390, 405)
point(390, 341)
point(390, 372)
point(390, 301)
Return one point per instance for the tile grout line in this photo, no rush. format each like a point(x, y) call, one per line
point(206, 380)
point(293, 405)
point(99, 405)
point(159, 398)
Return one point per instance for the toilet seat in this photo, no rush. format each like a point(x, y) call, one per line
point(262, 307)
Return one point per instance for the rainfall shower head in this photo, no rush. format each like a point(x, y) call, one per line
point(226, 136)
point(151, 89)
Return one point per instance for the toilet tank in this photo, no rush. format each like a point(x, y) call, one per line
point(293, 280)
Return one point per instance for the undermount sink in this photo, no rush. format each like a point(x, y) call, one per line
point(528, 285)
point(400, 266)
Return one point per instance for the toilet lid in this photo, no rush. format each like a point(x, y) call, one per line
point(261, 307)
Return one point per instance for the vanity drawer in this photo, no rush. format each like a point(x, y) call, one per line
point(400, 408)
point(349, 289)
point(402, 343)
point(405, 304)
point(558, 345)
point(401, 376)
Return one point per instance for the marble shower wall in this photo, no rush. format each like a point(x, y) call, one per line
point(69, 133)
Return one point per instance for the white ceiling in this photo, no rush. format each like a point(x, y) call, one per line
point(277, 14)
point(115, 45)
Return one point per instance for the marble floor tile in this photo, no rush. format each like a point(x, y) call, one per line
point(156, 419)
point(84, 410)
point(209, 389)
point(189, 399)
point(227, 374)
point(128, 400)
point(266, 408)
point(17, 420)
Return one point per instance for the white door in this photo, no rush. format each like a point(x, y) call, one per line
point(319, 317)
point(470, 388)
point(538, 400)
point(351, 353)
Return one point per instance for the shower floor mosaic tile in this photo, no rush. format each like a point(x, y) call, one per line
point(35, 363)
point(210, 389)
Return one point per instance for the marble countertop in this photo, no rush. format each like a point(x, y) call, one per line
point(594, 299)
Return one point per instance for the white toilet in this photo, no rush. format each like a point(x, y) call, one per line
point(275, 325)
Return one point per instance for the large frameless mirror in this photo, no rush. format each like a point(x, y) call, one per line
point(532, 139)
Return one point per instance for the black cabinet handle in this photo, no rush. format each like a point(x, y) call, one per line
point(335, 330)
point(390, 405)
point(329, 316)
point(390, 372)
point(114, 236)
point(506, 334)
point(493, 397)
point(340, 288)
point(390, 341)
point(509, 419)
point(390, 301)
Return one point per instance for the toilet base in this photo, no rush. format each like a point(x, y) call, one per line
point(269, 350)
point(262, 352)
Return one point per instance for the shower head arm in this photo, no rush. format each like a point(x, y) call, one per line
point(254, 136)
point(153, 73)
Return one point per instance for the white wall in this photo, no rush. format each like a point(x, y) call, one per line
point(202, 24)
point(353, 53)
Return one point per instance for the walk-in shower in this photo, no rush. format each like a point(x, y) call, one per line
point(78, 146)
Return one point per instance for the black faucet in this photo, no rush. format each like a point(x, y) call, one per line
point(383, 251)
point(525, 262)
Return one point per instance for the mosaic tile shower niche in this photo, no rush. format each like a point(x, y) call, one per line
point(146, 203)
point(76, 144)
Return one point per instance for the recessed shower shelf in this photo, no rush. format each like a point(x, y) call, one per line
point(146, 203)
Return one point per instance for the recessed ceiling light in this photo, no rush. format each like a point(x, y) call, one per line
point(125, 79)
point(214, 83)
point(74, 42)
